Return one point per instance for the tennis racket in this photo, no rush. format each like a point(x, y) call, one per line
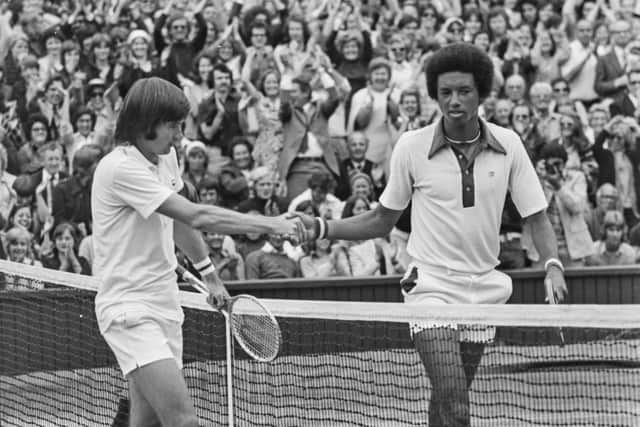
point(551, 298)
point(252, 324)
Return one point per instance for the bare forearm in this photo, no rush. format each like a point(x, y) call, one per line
point(544, 237)
point(225, 221)
point(369, 225)
point(190, 242)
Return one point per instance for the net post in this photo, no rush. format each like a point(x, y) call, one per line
point(229, 350)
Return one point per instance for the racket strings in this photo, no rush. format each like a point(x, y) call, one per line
point(257, 332)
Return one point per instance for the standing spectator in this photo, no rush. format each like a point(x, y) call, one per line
point(177, 52)
point(72, 197)
point(306, 146)
point(611, 249)
point(373, 109)
point(50, 63)
point(611, 80)
point(628, 104)
point(218, 114)
point(64, 256)
point(580, 68)
point(138, 62)
point(259, 54)
point(545, 58)
point(196, 92)
point(100, 65)
point(566, 192)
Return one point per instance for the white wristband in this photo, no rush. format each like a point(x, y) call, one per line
point(322, 231)
point(202, 264)
point(209, 270)
point(553, 261)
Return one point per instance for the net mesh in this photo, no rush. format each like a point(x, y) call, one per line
point(340, 364)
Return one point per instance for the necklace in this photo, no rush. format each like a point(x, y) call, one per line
point(464, 141)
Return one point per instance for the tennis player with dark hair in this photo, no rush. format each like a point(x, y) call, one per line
point(138, 217)
point(456, 173)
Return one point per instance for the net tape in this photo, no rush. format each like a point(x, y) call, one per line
point(626, 316)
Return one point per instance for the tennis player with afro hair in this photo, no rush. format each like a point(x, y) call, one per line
point(456, 173)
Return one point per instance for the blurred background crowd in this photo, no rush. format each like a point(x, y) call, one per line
point(296, 106)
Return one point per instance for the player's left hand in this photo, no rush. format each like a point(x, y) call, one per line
point(218, 294)
point(555, 277)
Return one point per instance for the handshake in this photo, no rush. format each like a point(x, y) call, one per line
point(300, 228)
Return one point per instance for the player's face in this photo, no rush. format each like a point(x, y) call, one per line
point(167, 135)
point(458, 97)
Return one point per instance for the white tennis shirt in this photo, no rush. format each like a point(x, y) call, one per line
point(456, 210)
point(133, 244)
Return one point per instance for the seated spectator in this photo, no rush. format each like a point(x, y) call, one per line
point(209, 191)
point(362, 186)
point(321, 185)
point(18, 247)
point(607, 199)
point(627, 103)
point(263, 183)
point(229, 265)
point(320, 261)
point(360, 258)
point(273, 261)
point(357, 146)
point(611, 249)
point(247, 243)
point(566, 192)
point(8, 196)
point(196, 162)
point(64, 256)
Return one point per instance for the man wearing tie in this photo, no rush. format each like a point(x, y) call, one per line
point(357, 145)
point(47, 178)
point(611, 80)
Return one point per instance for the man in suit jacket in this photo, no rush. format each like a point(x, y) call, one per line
point(357, 145)
point(47, 178)
point(628, 104)
point(611, 80)
point(307, 147)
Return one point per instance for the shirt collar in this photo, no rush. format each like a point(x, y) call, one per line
point(486, 138)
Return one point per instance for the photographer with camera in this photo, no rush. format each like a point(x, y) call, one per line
point(566, 192)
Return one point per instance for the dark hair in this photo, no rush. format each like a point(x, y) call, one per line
point(553, 150)
point(322, 181)
point(38, 118)
point(66, 226)
point(347, 211)
point(208, 182)
point(222, 68)
point(86, 156)
point(241, 140)
point(196, 62)
point(258, 25)
point(305, 29)
point(461, 57)
point(81, 112)
point(303, 84)
point(154, 99)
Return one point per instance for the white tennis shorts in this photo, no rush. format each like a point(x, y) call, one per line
point(138, 338)
point(436, 285)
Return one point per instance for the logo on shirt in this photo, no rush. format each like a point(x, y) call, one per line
point(492, 174)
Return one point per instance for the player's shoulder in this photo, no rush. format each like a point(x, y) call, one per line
point(508, 138)
point(422, 137)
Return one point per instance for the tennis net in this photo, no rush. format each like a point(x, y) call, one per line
point(341, 364)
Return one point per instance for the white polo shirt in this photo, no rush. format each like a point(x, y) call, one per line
point(456, 211)
point(133, 244)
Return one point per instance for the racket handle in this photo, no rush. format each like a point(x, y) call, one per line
point(197, 283)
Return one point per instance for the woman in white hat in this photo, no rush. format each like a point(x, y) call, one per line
point(140, 64)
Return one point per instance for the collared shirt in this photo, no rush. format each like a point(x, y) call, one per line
point(625, 255)
point(457, 202)
point(133, 245)
point(313, 147)
point(581, 87)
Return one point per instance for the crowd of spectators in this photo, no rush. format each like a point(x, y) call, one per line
point(296, 106)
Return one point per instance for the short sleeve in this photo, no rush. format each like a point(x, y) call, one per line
point(524, 184)
point(139, 188)
point(397, 193)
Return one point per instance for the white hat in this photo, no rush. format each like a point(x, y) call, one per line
point(138, 34)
